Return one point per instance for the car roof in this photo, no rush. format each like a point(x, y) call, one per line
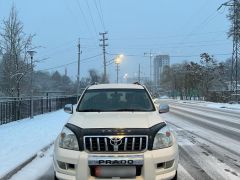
point(116, 86)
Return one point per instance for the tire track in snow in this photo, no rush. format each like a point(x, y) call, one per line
point(215, 154)
point(197, 121)
point(223, 112)
point(191, 166)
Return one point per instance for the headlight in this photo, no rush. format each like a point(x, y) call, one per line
point(68, 140)
point(163, 138)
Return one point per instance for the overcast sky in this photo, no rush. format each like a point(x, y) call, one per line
point(183, 29)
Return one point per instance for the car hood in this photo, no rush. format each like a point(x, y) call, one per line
point(115, 119)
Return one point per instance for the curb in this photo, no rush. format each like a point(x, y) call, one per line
point(26, 162)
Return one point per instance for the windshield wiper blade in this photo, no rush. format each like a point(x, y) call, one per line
point(90, 110)
point(127, 109)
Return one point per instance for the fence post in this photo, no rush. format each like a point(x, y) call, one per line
point(41, 105)
point(47, 103)
point(50, 105)
point(1, 113)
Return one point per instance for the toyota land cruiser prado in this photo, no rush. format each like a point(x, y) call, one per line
point(116, 132)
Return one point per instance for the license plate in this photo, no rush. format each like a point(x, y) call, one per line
point(132, 160)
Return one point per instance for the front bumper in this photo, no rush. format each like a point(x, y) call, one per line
point(153, 168)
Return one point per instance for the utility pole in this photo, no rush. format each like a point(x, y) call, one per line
point(150, 54)
point(31, 53)
point(78, 70)
point(104, 45)
point(117, 71)
point(235, 4)
point(139, 73)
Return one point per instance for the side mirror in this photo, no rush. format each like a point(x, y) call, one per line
point(68, 108)
point(163, 108)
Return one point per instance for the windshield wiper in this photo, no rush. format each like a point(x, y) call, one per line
point(90, 110)
point(127, 109)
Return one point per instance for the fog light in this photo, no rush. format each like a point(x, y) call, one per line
point(65, 166)
point(168, 164)
point(62, 165)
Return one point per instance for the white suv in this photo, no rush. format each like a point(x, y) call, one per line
point(116, 132)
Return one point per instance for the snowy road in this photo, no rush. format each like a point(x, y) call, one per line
point(209, 144)
point(209, 140)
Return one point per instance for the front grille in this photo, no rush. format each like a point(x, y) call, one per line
point(115, 143)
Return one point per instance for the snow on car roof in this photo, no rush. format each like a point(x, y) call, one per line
point(116, 86)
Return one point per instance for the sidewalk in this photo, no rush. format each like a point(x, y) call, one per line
point(22, 139)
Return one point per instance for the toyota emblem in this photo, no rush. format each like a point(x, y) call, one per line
point(115, 142)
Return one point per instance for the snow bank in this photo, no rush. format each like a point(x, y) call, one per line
point(22, 139)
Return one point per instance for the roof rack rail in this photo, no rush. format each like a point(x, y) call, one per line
point(95, 83)
point(138, 83)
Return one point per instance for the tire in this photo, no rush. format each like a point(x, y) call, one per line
point(55, 177)
point(175, 177)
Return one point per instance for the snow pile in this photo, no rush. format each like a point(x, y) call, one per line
point(22, 139)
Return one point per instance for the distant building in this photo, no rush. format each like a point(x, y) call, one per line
point(160, 62)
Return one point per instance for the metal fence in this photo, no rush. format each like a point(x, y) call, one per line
point(15, 109)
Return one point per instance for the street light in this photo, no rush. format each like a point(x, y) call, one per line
point(31, 53)
point(118, 61)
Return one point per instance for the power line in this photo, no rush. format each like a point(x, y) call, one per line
point(56, 67)
point(65, 47)
point(70, 11)
point(170, 47)
point(166, 36)
point(165, 45)
point(193, 16)
point(99, 15)
point(73, 62)
point(205, 21)
point(175, 56)
point(86, 1)
point(189, 43)
point(101, 11)
point(83, 15)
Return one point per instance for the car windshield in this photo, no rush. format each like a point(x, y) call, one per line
point(107, 100)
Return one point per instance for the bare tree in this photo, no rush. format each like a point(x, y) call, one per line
point(14, 46)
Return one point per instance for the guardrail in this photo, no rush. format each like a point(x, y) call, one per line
point(19, 108)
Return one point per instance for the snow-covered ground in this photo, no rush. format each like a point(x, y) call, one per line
point(235, 107)
point(22, 139)
point(214, 105)
point(39, 166)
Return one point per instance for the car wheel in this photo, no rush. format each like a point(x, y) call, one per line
point(175, 177)
point(55, 177)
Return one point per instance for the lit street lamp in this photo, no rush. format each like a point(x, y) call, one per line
point(118, 61)
point(31, 53)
